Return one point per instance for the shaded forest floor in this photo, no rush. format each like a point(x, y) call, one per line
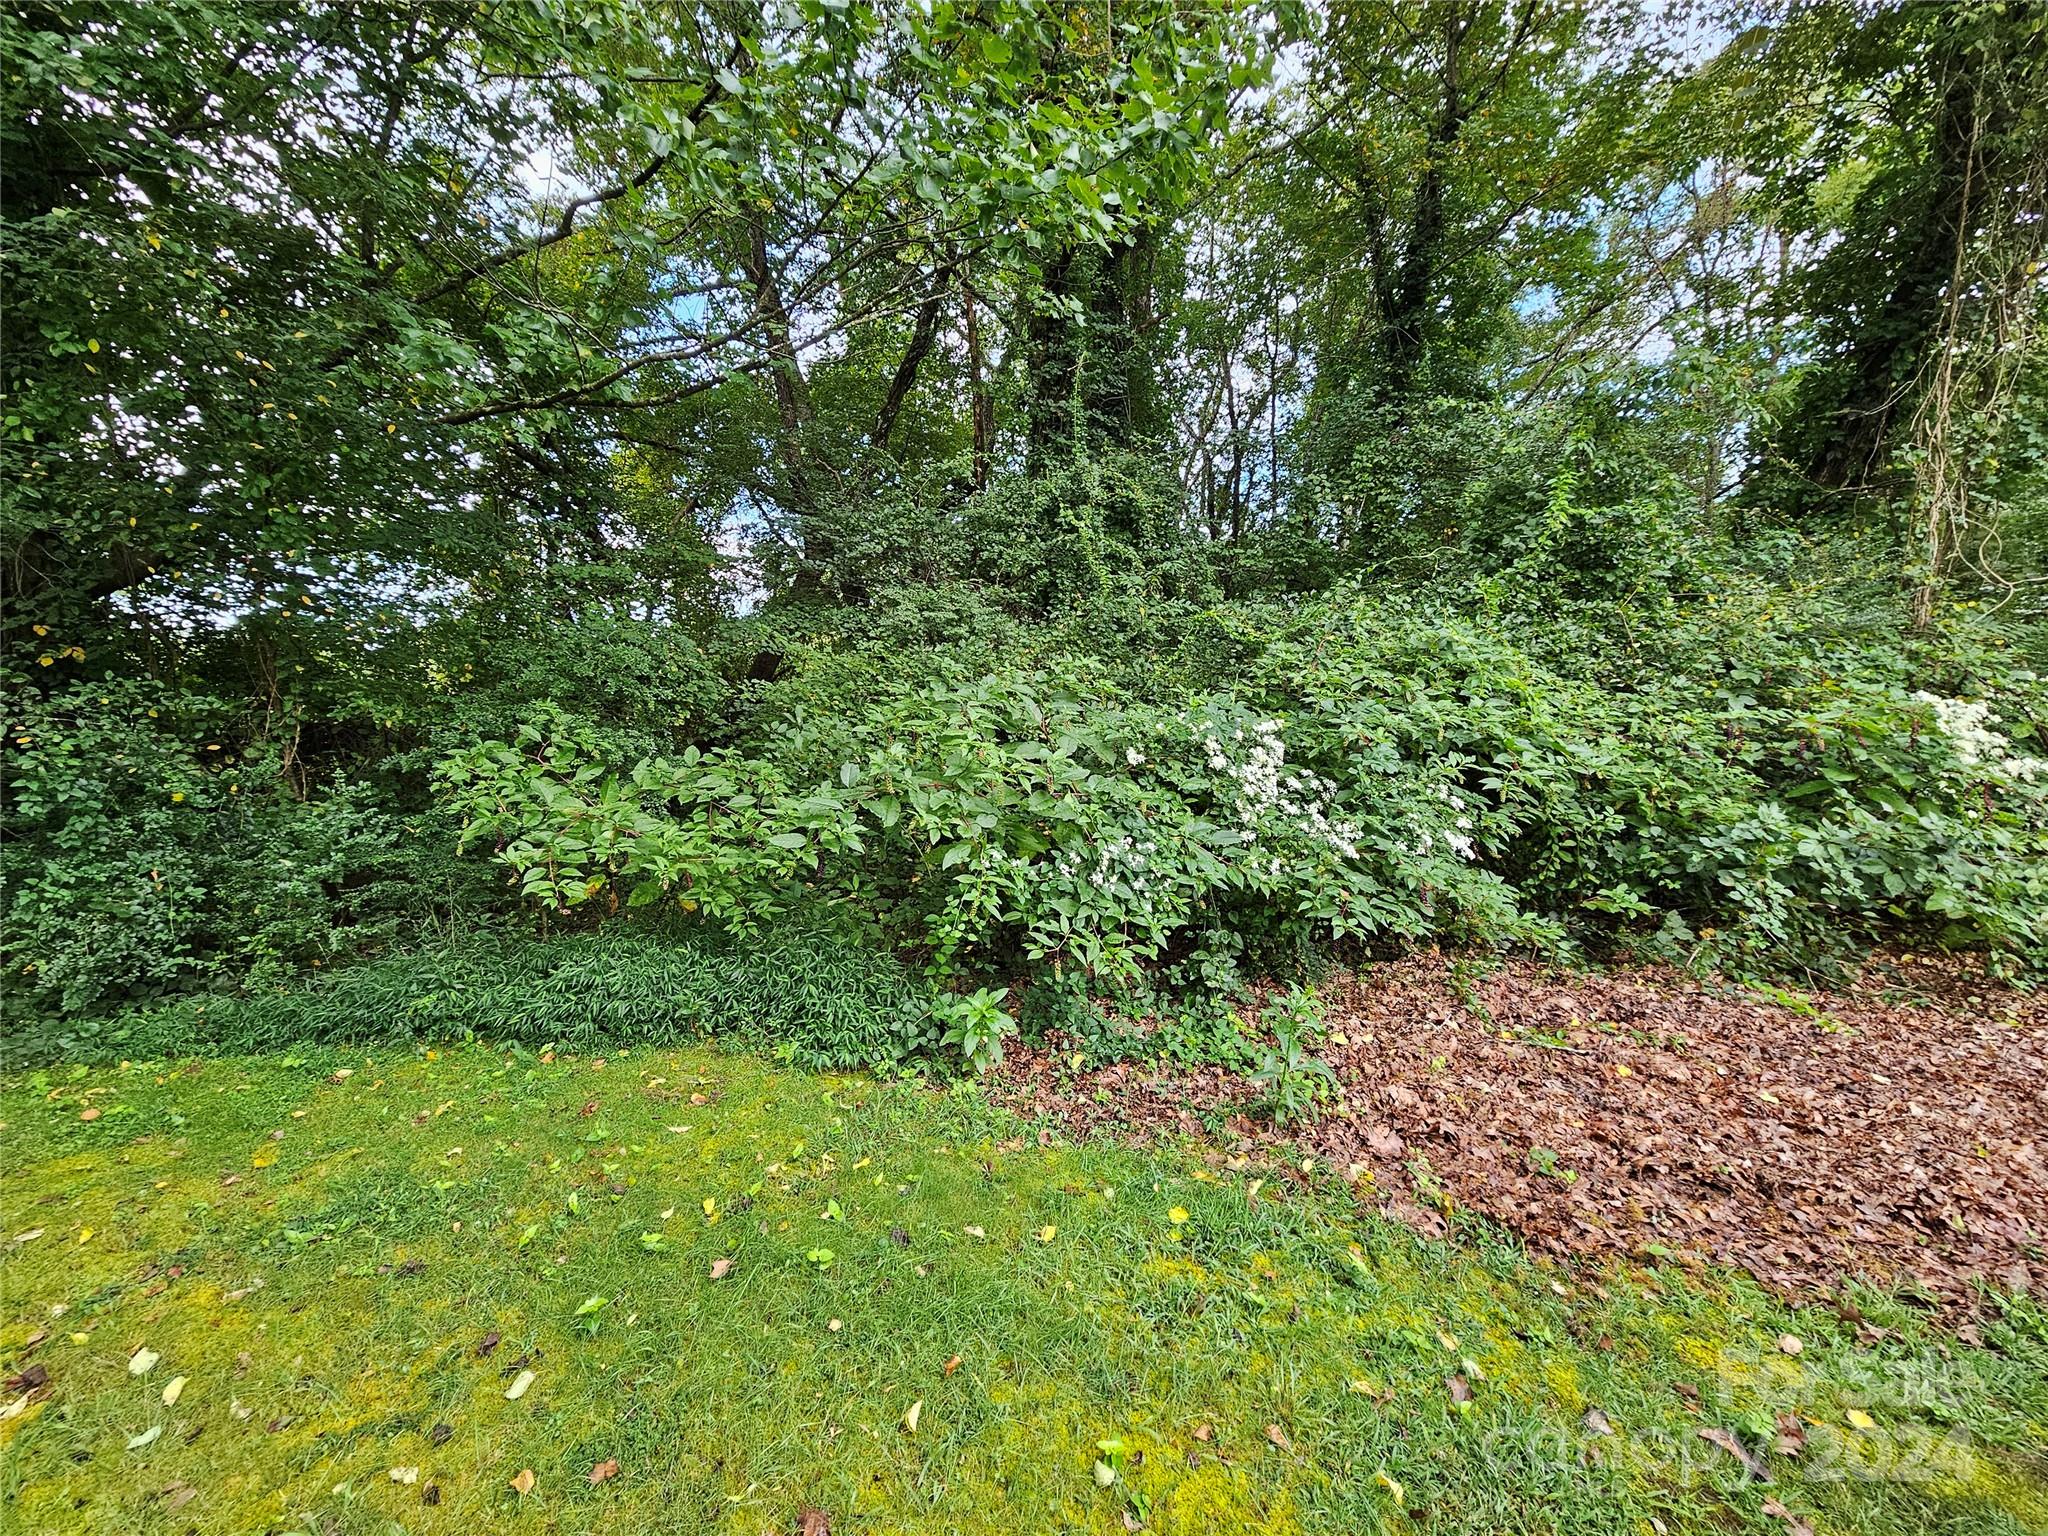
point(1896, 1130)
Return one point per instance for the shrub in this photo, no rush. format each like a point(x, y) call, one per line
point(153, 844)
point(810, 995)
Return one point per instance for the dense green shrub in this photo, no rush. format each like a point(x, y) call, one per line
point(1383, 767)
point(804, 993)
point(154, 842)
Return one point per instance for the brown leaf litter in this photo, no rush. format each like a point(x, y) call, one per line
point(1896, 1129)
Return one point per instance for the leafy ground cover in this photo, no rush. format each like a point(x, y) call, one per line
point(679, 1290)
point(1889, 1127)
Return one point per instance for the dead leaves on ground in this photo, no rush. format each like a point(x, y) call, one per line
point(1675, 1117)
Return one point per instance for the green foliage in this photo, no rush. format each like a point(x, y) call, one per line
point(152, 844)
point(1019, 490)
point(808, 993)
point(1293, 1081)
point(974, 1024)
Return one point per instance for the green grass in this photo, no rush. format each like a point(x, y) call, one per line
point(325, 1295)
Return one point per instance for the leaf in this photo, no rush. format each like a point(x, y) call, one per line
point(911, 1415)
point(813, 1522)
point(173, 1390)
point(605, 1470)
point(1047, 1233)
point(1204, 1433)
point(264, 1155)
point(1791, 1435)
point(1597, 1422)
point(1714, 1435)
point(523, 1483)
point(952, 1365)
point(405, 1475)
point(1858, 1419)
point(1278, 1436)
point(1178, 1216)
point(1459, 1388)
point(720, 1268)
point(1790, 1343)
point(147, 1437)
point(1400, 1494)
point(1794, 1526)
point(519, 1385)
point(142, 1361)
point(1105, 1474)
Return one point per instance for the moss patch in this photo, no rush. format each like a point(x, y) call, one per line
point(350, 1259)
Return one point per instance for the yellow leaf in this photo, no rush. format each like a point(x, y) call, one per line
point(523, 1483)
point(264, 1155)
point(1178, 1216)
point(1858, 1419)
point(1047, 1234)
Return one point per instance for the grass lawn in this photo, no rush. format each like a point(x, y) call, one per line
point(931, 1321)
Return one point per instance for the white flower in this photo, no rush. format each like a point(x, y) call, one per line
point(1133, 756)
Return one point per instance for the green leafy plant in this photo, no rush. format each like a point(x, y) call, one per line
point(1293, 1081)
point(975, 1025)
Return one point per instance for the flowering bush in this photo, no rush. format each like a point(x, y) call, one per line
point(1366, 774)
point(994, 819)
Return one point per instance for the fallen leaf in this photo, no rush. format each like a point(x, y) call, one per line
point(720, 1268)
point(1105, 1474)
point(405, 1475)
point(440, 1434)
point(974, 1232)
point(29, 1379)
point(813, 1522)
point(431, 1494)
point(1278, 1436)
point(1794, 1526)
point(1178, 1216)
point(519, 1385)
point(1791, 1435)
point(1858, 1419)
point(952, 1365)
point(523, 1483)
point(142, 1361)
point(1393, 1487)
point(89, 1114)
point(1597, 1422)
point(173, 1390)
point(605, 1470)
point(1047, 1234)
point(1204, 1433)
point(178, 1495)
point(1714, 1435)
point(486, 1344)
point(1459, 1388)
point(147, 1437)
point(264, 1155)
point(1790, 1343)
point(910, 1416)
point(1385, 1141)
